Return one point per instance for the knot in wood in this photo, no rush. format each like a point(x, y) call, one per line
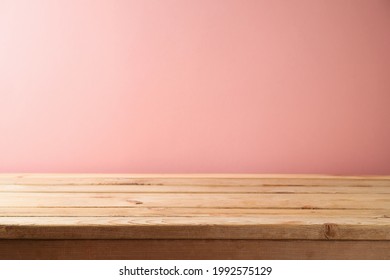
point(330, 230)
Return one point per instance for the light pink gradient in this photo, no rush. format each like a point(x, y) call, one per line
point(195, 86)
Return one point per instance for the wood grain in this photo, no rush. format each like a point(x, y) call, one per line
point(193, 250)
point(187, 189)
point(186, 212)
point(211, 215)
point(228, 200)
point(194, 228)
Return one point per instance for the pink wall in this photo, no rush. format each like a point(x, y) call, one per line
point(195, 86)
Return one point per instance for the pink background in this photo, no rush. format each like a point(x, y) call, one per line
point(195, 86)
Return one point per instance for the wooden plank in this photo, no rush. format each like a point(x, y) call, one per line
point(201, 220)
point(193, 249)
point(261, 227)
point(303, 201)
point(193, 179)
point(185, 212)
point(194, 189)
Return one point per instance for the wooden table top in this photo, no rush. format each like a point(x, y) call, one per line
point(200, 206)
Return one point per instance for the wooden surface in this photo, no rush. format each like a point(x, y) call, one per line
point(197, 249)
point(84, 206)
point(266, 216)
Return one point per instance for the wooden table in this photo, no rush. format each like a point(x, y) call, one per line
point(210, 216)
